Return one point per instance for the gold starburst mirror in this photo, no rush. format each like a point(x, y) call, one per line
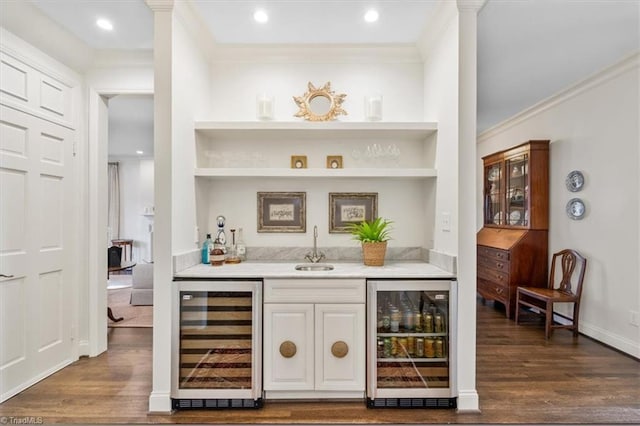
point(320, 104)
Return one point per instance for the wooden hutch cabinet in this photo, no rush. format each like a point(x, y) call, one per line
point(513, 243)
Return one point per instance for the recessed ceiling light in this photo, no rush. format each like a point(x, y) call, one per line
point(261, 16)
point(105, 24)
point(139, 152)
point(371, 15)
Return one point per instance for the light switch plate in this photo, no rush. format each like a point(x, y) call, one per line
point(446, 221)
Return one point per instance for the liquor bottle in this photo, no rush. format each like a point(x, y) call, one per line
point(241, 248)
point(221, 236)
point(207, 246)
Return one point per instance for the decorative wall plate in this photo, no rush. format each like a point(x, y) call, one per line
point(576, 209)
point(514, 217)
point(574, 181)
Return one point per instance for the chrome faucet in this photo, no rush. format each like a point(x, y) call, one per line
point(314, 256)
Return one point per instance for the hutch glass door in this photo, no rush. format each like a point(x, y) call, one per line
point(493, 200)
point(517, 211)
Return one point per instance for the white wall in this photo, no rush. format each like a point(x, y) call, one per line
point(237, 77)
point(441, 106)
point(593, 127)
point(136, 194)
point(236, 82)
point(190, 101)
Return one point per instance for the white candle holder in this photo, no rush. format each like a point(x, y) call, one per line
point(264, 107)
point(373, 107)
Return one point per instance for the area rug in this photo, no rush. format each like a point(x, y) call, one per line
point(118, 281)
point(134, 316)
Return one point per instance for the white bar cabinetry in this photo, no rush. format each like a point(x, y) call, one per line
point(314, 338)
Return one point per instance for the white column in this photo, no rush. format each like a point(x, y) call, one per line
point(160, 398)
point(468, 400)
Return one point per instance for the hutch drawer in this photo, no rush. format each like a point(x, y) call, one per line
point(489, 263)
point(493, 275)
point(491, 290)
point(493, 253)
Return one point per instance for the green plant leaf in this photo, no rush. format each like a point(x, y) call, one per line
point(377, 230)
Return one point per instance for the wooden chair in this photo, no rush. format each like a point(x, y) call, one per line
point(569, 290)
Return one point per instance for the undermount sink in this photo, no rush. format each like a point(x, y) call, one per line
point(314, 267)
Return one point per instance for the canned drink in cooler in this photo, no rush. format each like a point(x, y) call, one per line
point(429, 348)
point(428, 323)
point(420, 347)
point(394, 346)
point(411, 345)
point(403, 345)
point(387, 348)
point(439, 348)
point(418, 321)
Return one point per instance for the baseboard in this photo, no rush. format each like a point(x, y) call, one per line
point(13, 392)
point(468, 402)
point(160, 403)
point(83, 348)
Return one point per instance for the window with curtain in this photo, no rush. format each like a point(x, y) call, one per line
point(113, 215)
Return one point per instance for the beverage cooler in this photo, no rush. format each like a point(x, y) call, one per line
point(411, 345)
point(218, 350)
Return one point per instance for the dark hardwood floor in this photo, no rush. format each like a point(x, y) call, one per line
point(521, 378)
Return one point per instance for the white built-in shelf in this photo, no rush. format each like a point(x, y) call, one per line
point(318, 173)
point(307, 129)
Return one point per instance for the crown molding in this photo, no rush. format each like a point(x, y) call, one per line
point(470, 5)
point(401, 53)
point(160, 5)
point(628, 63)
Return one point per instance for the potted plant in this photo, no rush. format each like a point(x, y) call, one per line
point(373, 235)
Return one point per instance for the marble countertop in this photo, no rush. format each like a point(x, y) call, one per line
point(341, 270)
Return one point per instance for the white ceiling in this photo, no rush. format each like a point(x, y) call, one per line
point(315, 22)
point(131, 125)
point(527, 49)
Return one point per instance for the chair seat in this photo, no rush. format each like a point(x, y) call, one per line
point(548, 294)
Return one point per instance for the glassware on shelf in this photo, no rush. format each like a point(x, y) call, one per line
point(232, 254)
point(241, 248)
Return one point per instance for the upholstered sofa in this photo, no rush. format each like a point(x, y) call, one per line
point(142, 284)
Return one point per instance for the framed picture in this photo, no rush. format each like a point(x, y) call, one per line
point(334, 161)
point(282, 212)
point(351, 207)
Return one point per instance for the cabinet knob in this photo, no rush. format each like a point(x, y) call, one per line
point(288, 349)
point(339, 349)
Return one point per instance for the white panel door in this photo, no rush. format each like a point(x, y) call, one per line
point(36, 215)
point(288, 324)
point(340, 328)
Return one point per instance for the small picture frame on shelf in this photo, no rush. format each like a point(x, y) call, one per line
point(334, 161)
point(282, 212)
point(298, 161)
point(351, 207)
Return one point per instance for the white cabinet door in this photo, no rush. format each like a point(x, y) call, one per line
point(340, 347)
point(287, 327)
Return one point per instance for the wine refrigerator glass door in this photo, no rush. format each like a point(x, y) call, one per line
point(219, 344)
point(410, 339)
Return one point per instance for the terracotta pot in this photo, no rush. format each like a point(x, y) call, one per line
point(373, 253)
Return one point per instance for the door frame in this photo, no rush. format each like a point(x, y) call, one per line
point(97, 157)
